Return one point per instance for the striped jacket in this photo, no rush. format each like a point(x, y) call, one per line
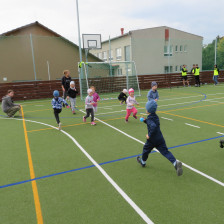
point(57, 102)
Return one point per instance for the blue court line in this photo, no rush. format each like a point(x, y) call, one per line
point(104, 163)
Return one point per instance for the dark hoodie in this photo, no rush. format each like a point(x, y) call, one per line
point(7, 103)
point(154, 132)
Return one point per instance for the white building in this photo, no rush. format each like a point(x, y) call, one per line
point(154, 50)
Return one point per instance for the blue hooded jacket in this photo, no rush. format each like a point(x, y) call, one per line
point(154, 132)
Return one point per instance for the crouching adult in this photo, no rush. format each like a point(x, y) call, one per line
point(8, 105)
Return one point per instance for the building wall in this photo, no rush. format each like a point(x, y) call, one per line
point(16, 62)
point(148, 50)
point(115, 43)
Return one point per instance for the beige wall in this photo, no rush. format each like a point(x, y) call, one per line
point(16, 62)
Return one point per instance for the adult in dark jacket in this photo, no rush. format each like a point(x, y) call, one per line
point(8, 105)
point(65, 81)
point(156, 140)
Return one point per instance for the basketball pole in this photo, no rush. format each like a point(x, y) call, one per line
point(80, 50)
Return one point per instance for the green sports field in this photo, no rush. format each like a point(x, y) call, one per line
point(89, 174)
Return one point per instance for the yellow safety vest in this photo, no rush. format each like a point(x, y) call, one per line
point(197, 71)
point(81, 63)
point(216, 71)
point(184, 73)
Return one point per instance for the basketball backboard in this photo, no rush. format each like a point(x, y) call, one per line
point(91, 41)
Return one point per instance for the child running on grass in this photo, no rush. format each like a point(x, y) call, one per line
point(155, 139)
point(123, 96)
point(96, 98)
point(72, 95)
point(153, 93)
point(130, 105)
point(89, 107)
point(57, 106)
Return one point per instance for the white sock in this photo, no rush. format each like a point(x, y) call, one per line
point(175, 163)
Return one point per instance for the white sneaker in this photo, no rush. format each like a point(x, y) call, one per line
point(59, 126)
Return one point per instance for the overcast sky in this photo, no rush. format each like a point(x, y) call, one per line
point(200, 17)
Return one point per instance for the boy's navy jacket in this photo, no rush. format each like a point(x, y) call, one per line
point(154, 132)
point(57, 102)
point(122, 96)
point(72, 93)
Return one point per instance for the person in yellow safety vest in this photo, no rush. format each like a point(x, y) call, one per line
point(216, 74)
point(184, 75)
point(196, 76)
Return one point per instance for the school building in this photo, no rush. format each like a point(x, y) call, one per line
point(156, 50)
point(34, 52)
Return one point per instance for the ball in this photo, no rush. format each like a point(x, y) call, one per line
point(142, 119)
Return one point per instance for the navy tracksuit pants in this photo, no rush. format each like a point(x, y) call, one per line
point(161, 147)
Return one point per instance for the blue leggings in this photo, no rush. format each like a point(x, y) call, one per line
point(162, 148)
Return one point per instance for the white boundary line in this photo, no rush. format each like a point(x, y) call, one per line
point(192, 125)
point(220, 133)
point(189, 167)
point(112, 182)
point(167, 119)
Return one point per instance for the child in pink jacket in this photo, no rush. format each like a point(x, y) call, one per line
point(130, 105)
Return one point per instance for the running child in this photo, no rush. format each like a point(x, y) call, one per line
point(72, 92)
point(123, 96)
point(130, 105)
point(57, 106)
point(89, 107)
point(96, 98)
point(156, 140)
point(153, 93)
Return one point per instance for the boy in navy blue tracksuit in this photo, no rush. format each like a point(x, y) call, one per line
point(156, 140)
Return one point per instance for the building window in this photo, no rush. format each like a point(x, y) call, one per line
point(104, 56)
point(99, 55)
point(168, 50)
point(127, 53)
point(118, 53)
point(185, 48)
point(176, 69)
point(110, 56)
point(119, 71)
point(180, 68)
point(176, 48)
point(168, 69)
point(181, 48)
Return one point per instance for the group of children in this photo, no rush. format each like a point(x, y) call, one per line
point(154, 137)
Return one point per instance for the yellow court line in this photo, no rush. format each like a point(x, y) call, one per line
point(32, 175)
point(189, 118)
point(74, 124)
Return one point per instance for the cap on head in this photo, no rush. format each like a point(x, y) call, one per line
point(151, 106)
point(153, 84)
point(72, 83)
point(125, 91)
point(89, 91)
point(56, 93)
point(131, 91)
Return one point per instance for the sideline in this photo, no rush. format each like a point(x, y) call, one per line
point(32, 175)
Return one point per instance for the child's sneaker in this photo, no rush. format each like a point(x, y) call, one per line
point(93, 123)
point(178, 168)
point(126, 121)
point(73, 112)
point(84, 119)
point(135, 116)
point(59, 126)
point(121, 103)
point(139, 160)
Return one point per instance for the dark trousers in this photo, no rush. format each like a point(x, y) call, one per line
point(197, 80)
point(65, 93)
point(123, 99)
point(162, 148)
point(88, 112)
point(56, 114)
